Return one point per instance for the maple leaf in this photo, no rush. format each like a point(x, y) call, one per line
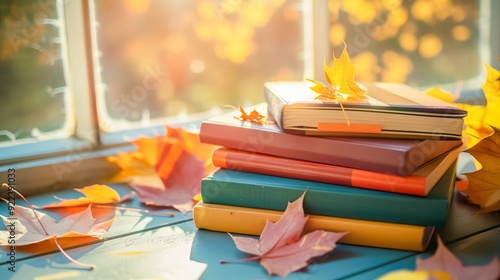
point(166, 170)
point(340, 78)
point(253, 117)
point(444, 265)
point(444, 260)
point(479, 118)
point(415, 275)
point(181, 185)
point(42, 233)
point(29, 231)
point(281, 249)
point(94, 194)
point(484, 184)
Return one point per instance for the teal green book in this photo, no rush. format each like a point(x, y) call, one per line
point(271, 192)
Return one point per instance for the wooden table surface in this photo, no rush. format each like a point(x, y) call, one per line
point(144, 246)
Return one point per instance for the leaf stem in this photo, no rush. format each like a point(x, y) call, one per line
point(30, 205)
point(89, 266)
point(253, 258)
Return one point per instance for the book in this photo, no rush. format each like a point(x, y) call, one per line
point(395, 156)
point(418, 183)
point(247, 220)
point(391, 110)
point(245, 189)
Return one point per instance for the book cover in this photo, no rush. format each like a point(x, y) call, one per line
point(395, 156)
point(391, 110)
point(271, 192)
point(418, 183)
point(247, 220)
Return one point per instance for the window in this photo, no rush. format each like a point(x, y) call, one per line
point(421, 43)
point(80, 77)
point(171, 59)
point(34, 98)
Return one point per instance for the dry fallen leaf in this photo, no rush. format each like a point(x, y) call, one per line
point(28, 230)
point(95, 194)
point(443, 265)
point(484, 184)
point(281, 249)
point(181, 185)
point(166, 170)
point(41, 233)
point(415, 275)
point(444, 260)
point(479, 118)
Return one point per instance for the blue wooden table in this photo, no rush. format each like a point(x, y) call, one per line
point(144, 246)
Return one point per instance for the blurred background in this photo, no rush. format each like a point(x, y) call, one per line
point(161, 59)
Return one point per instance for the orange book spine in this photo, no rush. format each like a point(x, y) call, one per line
point(416, 184)
point(304, 170)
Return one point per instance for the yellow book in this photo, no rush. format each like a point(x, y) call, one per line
point(246, 220)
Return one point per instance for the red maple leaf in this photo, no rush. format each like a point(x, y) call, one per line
point(180, 185)
point(444, 260)
point(281, 249)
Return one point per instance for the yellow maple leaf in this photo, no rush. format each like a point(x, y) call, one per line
point(340, 78)
point(484, 184)
point(479, 118)
point(415, 275)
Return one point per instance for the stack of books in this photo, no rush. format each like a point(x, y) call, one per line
point(386, 178)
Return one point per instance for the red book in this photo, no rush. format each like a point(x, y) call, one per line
point(419, 183)
point(385, 155)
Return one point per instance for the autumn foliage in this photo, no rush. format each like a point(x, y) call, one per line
point(166, 170)
point(340, 78)
point(281, 247)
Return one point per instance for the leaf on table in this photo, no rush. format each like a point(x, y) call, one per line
point(446, 261)
point(254, 117)
point(484, 184)
point(415, 275)
point(181, 185)
point(281, 249)
point(444, 265)
point(71, 230)
point(479, 118)
point(166, 170)
point(340, 78)
point(94, 194)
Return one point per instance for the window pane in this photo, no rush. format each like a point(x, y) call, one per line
point(32, 84)
point(159, 58)
point(421, 42)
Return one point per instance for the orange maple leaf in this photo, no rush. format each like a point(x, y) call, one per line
point(281, 249)
point(167, 167)
point(254, 116)
point(484, 184)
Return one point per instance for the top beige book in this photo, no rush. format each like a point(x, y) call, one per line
point(390, 111)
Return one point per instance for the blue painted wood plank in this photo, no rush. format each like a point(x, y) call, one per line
point(479, 249)
point(211, 247)
point(183, 252)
